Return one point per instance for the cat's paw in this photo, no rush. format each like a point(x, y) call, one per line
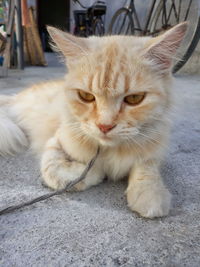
point(150, 199)
point(58, 176)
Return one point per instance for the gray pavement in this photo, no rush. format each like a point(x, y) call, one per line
point(95, 227)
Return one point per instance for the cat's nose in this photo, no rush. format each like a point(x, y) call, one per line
point(106, 127)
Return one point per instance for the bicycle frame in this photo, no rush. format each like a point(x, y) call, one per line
point(132, 9)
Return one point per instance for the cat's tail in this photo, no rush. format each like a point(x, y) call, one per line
point(12, 138)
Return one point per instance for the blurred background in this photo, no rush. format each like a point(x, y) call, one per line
point(24, 39)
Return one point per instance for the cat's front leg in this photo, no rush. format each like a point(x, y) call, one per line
point(58, 168)
point(146, 193)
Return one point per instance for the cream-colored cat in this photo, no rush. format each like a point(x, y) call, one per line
point(116, 95)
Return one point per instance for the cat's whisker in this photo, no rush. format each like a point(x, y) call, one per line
point(150, 131)
point(73, 124)
point(78, 135)
point(130, 142)
point(81, 137)
point(152, 134)
point(152, 140)
point(161, 119)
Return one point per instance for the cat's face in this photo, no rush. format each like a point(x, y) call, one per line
point(112, 97)
point(118, 89)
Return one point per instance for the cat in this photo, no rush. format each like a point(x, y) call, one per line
point(117, 96)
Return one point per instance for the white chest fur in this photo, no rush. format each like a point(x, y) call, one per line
point(115, 164)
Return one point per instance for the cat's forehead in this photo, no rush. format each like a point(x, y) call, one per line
point(117, 43)
point(113, 68)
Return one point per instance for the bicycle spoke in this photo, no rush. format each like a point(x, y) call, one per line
point(164, 14)
point(179, 10)
point(188, 10)
point(170, 12)
point(175, 11)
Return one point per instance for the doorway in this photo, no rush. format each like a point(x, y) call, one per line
point(53, 13)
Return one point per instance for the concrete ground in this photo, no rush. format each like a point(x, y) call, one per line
point(95, 227)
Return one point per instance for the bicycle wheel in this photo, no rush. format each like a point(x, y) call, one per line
point(98, 27)
point(121, 23)
point(177, 11)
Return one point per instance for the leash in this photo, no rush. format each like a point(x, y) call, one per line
point(55, 193)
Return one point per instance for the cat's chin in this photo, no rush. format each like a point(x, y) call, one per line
point(107, 142)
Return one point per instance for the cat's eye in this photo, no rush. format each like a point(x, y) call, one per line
point(85, 96)
point(134, 99)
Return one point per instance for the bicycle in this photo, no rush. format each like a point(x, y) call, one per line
point(162, 15)
point(90, 20)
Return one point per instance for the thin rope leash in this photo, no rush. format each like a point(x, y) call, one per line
point(55, 193)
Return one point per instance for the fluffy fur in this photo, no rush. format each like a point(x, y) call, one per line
point(12, 138)
point(65, 131)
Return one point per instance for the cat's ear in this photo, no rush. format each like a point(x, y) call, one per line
point(162, 49)
point(70, 46)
